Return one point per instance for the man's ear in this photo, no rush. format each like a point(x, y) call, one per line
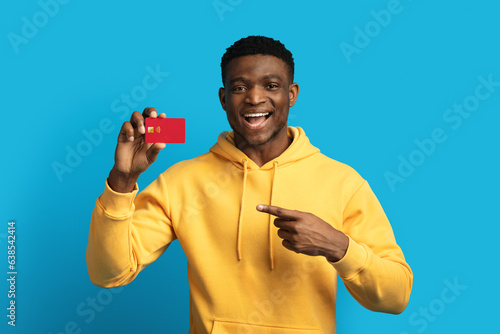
point(293, 93)
point(222, 97)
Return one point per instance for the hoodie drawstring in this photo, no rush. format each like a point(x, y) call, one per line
point(238, 241)
point(242, 207)
point(271, 253)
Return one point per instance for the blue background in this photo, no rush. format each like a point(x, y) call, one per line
point(365, 109)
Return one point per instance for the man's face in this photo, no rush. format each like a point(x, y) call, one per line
point(257, 97)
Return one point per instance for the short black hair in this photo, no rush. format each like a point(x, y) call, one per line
point(253, 45)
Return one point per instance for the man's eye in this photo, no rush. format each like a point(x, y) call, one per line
point(238, 88)
point(272, 86)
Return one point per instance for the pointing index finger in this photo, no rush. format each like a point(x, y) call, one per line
point(277, 211)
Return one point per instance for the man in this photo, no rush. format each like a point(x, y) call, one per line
point(265, 220)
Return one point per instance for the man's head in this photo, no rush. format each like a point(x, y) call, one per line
point(257, 74)
point(253, 45)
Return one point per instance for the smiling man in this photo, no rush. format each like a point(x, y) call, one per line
point(266, 221)
point(257, 95)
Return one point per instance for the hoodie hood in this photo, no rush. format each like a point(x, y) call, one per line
point(299, 149)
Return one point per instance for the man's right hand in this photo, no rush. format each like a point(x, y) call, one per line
point(133, 155)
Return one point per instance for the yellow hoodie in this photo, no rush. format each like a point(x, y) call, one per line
point(241, 279)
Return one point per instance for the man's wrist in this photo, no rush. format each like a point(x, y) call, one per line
point(339, 249)
point(120, 182)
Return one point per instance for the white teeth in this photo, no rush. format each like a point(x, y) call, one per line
point(256, 115)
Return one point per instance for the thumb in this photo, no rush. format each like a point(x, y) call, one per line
point(153, 151)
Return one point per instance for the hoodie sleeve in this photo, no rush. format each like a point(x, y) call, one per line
point(127, 233)
point(373, 269)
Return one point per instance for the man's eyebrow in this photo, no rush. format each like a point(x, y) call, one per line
point(272, 76)
point(264, 78)
point(237, 79)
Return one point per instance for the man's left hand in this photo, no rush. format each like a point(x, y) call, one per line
point(305, 233)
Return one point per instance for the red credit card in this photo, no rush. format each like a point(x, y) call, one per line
point(165, 130)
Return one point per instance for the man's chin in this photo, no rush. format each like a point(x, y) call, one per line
point(245, 140)
point(256, 139)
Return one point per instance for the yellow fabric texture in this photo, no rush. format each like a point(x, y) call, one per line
point(241, 278)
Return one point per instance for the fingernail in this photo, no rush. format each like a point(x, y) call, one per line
point(131, 138)
point(260, 207)
point(142, 129)
point(153, 114)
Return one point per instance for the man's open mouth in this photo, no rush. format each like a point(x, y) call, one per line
point(254, 120)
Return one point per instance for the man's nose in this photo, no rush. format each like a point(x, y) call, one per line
point(256, 96)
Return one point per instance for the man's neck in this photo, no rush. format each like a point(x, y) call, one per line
point(261, 154)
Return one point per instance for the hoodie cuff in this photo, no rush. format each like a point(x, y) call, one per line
point(353, 262)
point(115, 204)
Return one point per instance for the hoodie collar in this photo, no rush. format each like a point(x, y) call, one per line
point(299, 149)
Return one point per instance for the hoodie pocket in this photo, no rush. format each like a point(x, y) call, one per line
point(229, 327)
